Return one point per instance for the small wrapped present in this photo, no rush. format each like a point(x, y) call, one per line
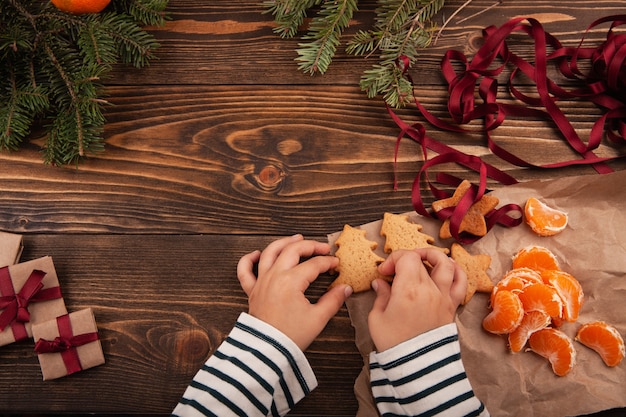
point(29, 293)
point(68, 344)
point(11, 247)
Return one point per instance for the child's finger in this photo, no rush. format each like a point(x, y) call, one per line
point(309, 270)
point(443, 268)
point(273, 251)
point(459, 285)
point(329, 304)
point(383, 294)
point(293, 253)
point(245, 271)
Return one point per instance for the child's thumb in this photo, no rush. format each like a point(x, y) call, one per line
point(383, 293)
point(330, 303)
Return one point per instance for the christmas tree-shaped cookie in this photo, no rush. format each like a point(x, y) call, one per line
point(401, 233)
point(358, 264)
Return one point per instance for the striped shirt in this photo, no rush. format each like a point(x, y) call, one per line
point(424, 376)
point(258, 371)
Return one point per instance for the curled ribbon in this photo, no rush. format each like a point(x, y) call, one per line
point(66, 344)
point(14, 305)
point(604, 86)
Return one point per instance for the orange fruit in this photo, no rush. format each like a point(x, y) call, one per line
point(81, 6)
point(543, 219)
point(535, 257)
point(515, 280)
point(541, 297)
point(570, 291)
point(555, 346)
point(532, 321)
point(604, 339)
point(506, 314)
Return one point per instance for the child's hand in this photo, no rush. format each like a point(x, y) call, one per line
point(416, 301)
point(277, 297)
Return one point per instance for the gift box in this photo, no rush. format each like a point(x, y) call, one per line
point(29, 293)
point(11, 247)
point(68, 344)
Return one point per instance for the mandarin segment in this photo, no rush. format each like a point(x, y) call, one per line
point(516, 279)
point(556, 347)
point(506, 314)
point(541, 297)
point(604, 339)
point(532, 322)
point(570, 291)
point(535, 257)
point(543, 219)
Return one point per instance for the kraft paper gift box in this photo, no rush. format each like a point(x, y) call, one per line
point(29, 293)
point(11, 247)
point(68, 344)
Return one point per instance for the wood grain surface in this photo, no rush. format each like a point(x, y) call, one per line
point(216, 149)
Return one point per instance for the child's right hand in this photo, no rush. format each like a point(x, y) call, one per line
point(417, 301)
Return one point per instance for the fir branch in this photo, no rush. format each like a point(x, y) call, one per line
point(401, 28)
point(51, 66)
point(324, 35)
point(289, 14)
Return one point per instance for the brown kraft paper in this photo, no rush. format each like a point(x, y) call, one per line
point(592, 248)
point(11, 247)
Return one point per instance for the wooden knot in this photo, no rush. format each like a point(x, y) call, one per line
point(270, 177)
point(192, 346)
point(475, 41)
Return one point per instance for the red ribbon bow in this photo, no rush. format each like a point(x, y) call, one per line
point(66, 344)
point(15, 305)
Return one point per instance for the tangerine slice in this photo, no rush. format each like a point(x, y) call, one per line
point(532, 321)
point(506, 315)
point(543, 219)
point(570, 291)
point(535, 257)
point(515, 280)
point(541, 297)
point(604, 339)
point(556, 347)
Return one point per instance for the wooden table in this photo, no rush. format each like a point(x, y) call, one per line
point(216, 149)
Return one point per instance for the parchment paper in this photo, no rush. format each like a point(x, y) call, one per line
point(592, 248)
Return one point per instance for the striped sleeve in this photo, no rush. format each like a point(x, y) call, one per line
point(256, 371)
point(424, 376)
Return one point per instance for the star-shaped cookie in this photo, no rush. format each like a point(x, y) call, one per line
point(401, 233)
point(474, 220)
point(475, 266)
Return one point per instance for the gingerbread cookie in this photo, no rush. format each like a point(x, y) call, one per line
point(401, 233)
point(358, 264)
point(474, 220)
point(475, 266)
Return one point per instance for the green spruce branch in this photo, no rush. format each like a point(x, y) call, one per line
point(52, 64)
point(401, 28)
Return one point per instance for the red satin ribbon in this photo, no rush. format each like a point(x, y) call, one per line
point(605, 86)
point(15, 305)
point(66, 344)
